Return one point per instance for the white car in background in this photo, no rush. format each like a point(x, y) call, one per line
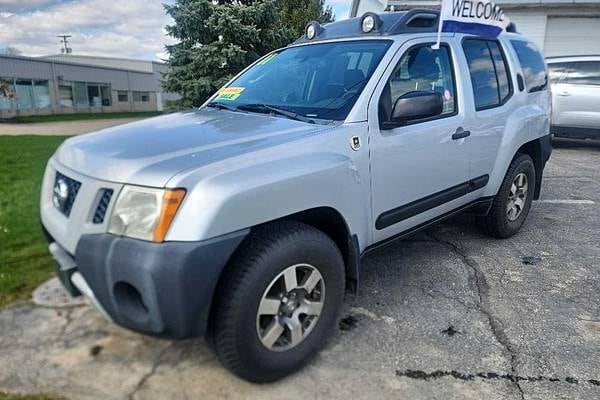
point(575, 96)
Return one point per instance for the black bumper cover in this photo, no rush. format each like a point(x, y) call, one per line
point(164, 289)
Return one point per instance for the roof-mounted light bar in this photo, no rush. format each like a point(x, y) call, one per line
point(370, 22)
point(313, 29)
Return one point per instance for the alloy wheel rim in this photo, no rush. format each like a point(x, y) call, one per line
point(517, 197)
point(290, 307)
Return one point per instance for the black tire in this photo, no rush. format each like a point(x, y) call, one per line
point(497, 223)
point(266, 253)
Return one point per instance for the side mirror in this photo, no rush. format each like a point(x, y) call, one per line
point(417, 105)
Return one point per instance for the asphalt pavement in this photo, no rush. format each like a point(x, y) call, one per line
point(447, 314)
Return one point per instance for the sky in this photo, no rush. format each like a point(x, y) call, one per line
point(125, 28)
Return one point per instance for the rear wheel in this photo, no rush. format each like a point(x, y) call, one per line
point(279, 301)
point(512, 203)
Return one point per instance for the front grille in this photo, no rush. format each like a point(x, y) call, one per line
point(100, 212)
point(64, 193)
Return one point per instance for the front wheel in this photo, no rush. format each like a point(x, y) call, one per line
point(279, 301)
point(512, 203)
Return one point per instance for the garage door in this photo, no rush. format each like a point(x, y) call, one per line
point(531, 24)
point(572, 36)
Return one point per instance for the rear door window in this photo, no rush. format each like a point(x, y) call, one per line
point(557, 72)
point(533, 65)
point(488, 68)
point(584, 73)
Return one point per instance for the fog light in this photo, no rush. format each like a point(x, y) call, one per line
point(312, 30)
point(368, 24)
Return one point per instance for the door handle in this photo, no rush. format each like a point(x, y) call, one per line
point(564, 94)
point(461, 134)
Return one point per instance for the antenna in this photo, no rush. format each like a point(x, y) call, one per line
point(65, 39)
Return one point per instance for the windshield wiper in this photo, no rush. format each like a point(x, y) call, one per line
point(222, 106)
point(265, 108)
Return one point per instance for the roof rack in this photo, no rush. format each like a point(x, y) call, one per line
point(417, 20)
point(392, 23)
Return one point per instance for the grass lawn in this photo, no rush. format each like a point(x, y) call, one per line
point(83, 116)
point(24, 259)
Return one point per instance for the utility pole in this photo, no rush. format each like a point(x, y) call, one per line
point(65, 39)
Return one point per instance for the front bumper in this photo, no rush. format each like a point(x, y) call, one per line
point(163, 290)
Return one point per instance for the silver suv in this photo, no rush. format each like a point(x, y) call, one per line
point(247, 219)
point(575, 96)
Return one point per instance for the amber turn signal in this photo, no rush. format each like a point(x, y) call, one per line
point(172, 199)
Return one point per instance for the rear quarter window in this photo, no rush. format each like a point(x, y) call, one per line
point(532, 64)
point(489, 73)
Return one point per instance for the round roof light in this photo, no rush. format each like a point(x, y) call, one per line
point(368, 23)
point(311, 31)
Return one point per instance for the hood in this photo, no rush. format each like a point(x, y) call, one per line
point(150, 152)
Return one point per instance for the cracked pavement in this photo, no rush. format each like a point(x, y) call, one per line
point(447, 314)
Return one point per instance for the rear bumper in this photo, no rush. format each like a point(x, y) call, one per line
point(163, 290)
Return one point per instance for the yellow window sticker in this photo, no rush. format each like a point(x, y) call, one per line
point(230, 93)
point(267, 59)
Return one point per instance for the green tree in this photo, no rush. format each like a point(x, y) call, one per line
point(216, 40)
point(298, 13)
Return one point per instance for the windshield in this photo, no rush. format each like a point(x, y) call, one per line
point(319, 81)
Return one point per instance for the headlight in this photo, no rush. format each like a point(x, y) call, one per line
point(145, 213)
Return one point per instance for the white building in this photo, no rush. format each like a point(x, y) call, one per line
point(558, 27)
point(72, 84)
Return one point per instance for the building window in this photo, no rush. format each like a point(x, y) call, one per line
point(98, 95)
point(141, 97)
point(66, 95)
point(105, 93)
point(123, 96)
point(24, 91)
point(41, 94)
point(5, 103)
point(84, 94)
point(80, 95)
point(94, 96)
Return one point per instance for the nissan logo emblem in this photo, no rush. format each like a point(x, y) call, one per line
point(61, 193)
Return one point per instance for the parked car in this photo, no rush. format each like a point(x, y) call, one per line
point(246, 220)
point(575, 96)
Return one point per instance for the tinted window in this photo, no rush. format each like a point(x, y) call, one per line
point(504, 85)
point(533, 65)
point(483, 73)
point(584, 73)
point(421, 69)
point(557, 71)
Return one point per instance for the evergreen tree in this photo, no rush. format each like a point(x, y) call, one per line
point(298, 13)
point(218, 39)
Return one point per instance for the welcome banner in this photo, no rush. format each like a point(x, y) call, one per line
point(475, 17)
